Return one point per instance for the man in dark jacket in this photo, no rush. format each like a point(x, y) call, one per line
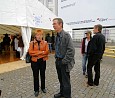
point(6, 42)
point(96, 49)
point(64, 54)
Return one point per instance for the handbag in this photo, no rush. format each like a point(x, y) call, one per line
point(28, 57)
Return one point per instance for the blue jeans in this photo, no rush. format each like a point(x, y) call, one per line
point(50, 47)
point(84, 62)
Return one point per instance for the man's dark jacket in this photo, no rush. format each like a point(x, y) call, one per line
point(96, 44)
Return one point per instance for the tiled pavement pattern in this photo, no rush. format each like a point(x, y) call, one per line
point(19, 83)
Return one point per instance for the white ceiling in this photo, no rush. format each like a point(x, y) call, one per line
point(13, 30)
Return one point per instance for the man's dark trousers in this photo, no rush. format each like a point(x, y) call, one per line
point(64, 79)
point(94, 60)
point(40, 65)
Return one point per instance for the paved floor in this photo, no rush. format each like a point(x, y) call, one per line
point(16, 80)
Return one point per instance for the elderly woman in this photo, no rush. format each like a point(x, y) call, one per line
point(39, 50)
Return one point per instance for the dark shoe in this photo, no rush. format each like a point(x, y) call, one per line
point(58, 95)
point(96, 84)
point(36, 94)
point(90, 84)
point(44, 90)
point(83, 73)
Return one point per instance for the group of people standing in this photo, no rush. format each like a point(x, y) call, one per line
point(92, 51)
point(64, 56)
point(12, 42)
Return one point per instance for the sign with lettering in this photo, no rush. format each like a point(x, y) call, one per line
point(87, 13)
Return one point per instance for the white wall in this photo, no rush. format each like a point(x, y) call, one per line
point(111, 35)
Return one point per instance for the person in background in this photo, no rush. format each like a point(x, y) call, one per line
point(1, 41)
point(1, 44)
point(0, 49)
point(39, 50)
point(12, 42)
point(53, 41)
point(16, 46)
point(6, 42)
point(85, 42)
point(64, 55)
point(96, 49)
point(20, 45)
point(49, 40)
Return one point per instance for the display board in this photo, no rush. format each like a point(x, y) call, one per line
point(87, 13)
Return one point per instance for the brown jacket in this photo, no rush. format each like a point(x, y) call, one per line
point(36, 53)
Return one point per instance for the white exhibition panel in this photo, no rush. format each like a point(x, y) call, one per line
point(87, 13)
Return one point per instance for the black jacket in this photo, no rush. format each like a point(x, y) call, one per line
point(96, 44)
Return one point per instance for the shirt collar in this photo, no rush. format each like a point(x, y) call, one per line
point(60, 34)
point(40, 42)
